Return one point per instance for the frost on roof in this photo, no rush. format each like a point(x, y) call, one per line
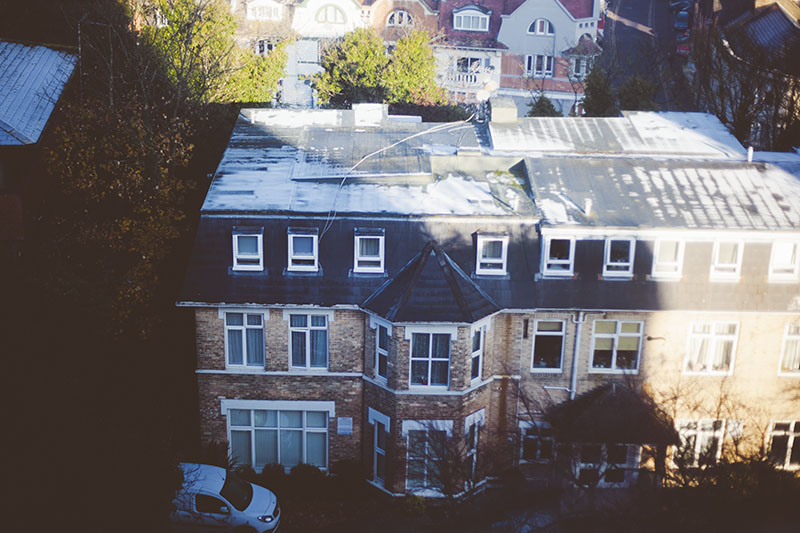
point(278, 169)
point(640, 134)
point(647, 193)
point(31, 81)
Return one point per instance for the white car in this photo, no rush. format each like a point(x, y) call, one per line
point(213, 499)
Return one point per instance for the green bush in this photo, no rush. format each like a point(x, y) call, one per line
point(432, 113)
point(273, 476)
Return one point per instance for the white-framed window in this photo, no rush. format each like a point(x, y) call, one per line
point(430, 359)
point(711, 348)
point(784, 444)
point(726, 261)
point(790, 352)
point(701, 442)
point(259, 437)
point(399, 17)
point(784, 262)
point(471, 449)
point(580, 67)
point(244, 339)
point(619, 255)
point(248, 250)
point(303, 250)
point(426, 449)
point(308, 340)
point(265, 46)
point(368, 252)
point(542, 27)
point(330, 14)
point(616, 345)
point(548, 345)
point(559, 256)
point(382, 352)
point(264, 10)
point(492, 255)
point(539, 66)
point(471, 64)
point(604, 464)
point(478, 343)
point(667, 259)
point(380, 423)
point(470, 20)
point(538, 443)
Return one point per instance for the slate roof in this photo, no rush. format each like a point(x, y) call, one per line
point(772, 29)
point(579, 9)
point(612, 413)
point(431, 288)
point(647, 193)
point(31, 81)
point(585, 47)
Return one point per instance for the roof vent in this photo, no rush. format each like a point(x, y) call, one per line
point(587, 207)
point(749, 154)
point(370, 114)
point(503, 110)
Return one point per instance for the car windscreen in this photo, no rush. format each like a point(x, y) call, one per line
point(236, 491)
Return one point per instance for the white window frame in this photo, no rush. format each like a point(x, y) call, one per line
point(585, 64)
point(481, 262)
point(303, 429)
point(549, 264)
point(264, 316)
point(358, 258)
point(477, 353)
point(792, 435)
point(431, 330)
point(376, 419)
point(532, 68)
point(294, 264)
point(330, 14)
point(791, 333)
point(726, 271)
point(239, 258)
point(478, 21)
point(613, 369)
point(542, 26)
point(604, 466)
point(702, 435)
point(541, 432)
point(307, 329)
point(405, 18)
point(444, 426)
point(264, 10)
point(382, 352)
point(713, 339)
point(627, 273)
point(536, 333)
point(677, 265)
point(786, 271)
point(473, 424)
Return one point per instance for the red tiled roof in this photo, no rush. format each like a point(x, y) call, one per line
point(580, 9)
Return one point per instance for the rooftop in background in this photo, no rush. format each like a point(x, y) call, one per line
point(286, 161)
point(665, 194)
point(774, 29)
point(31, 81)
point(639, 134)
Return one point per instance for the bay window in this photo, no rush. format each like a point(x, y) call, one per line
point(430, 359)
point(619, 257)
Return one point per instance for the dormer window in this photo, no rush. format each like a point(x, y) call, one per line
point(303, 250)
point(492, 255)
point(784, 263)
point(471, 19)
point(368, 251)
point(542, 27)
point(726, 262)
point(248, 250)
point(330, 14)
point(559, 255)
point(619, 258)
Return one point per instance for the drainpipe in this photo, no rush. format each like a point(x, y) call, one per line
point(578, 319)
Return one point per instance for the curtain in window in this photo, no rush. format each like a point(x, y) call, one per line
point(266, 447)
point(791, 357)
point(420, 345)
point(698, 348)
point(319, 347)
point(235, 346)
point(438, 373)
point(291, 448)
point(416, 459)
point(316, 449)
point(722, 355)
point(441, 345)
point(369, 247)
point(492, 250)
point(255, 346)
point(299, 348)
point(240, 447)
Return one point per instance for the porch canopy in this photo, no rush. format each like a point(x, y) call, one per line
point(612, 413)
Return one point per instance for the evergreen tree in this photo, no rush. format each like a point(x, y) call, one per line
point(410, 76)
point(599, 99)
point(542, 106)
point(637, 94)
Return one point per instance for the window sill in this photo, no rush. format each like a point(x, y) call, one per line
point(487, 276)
point(245, 369)
point(617, 277)
point(290, 272)
point(613, 371)
point(715, 373)
point(428, 388)
point(784, 374)
point(308, 371)
point(546, 370)
point(778, 280)
point(367, 273)
point(238, 271)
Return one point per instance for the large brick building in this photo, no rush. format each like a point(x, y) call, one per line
point(365, 287)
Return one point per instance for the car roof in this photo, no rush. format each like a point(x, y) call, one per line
point(197, 477)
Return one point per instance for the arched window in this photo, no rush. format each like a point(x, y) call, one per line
point(399, 18)
point(541, 27)
point(330, 14)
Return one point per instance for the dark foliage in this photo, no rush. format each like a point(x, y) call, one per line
point(433, 113)
point(599, 100)
point(542, 106)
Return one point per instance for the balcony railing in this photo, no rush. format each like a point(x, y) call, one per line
point(474, 78)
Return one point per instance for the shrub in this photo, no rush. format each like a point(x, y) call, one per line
point(273, 476)
point(432, 113)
